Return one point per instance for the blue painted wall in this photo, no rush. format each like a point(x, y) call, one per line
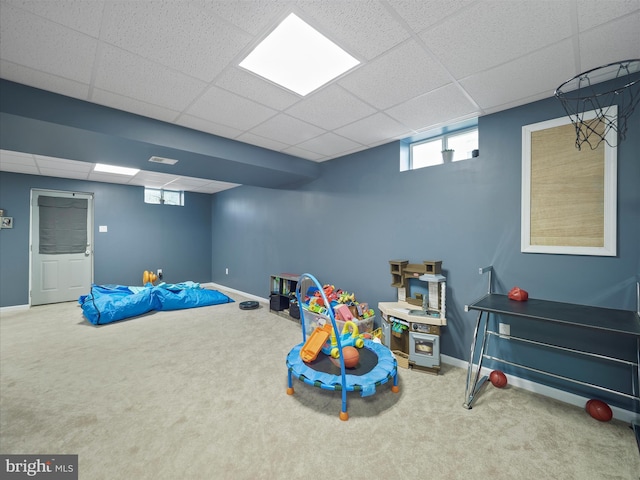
point(140, 236)
point(361, 212)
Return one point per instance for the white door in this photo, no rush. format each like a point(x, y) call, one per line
point(61, 245)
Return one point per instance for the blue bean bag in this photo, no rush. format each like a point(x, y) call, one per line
point(110, 303)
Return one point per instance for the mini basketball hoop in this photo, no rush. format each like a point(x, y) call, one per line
point(578, 96)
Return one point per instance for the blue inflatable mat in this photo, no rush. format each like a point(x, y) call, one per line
point(110, 303)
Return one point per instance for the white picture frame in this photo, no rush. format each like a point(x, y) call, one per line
point(594, 223)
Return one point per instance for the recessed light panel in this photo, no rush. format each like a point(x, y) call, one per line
point(101, 167)
point(298, 57)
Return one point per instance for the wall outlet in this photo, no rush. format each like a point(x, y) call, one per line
point(226, 271)
point(159, 273)
point(504, 329)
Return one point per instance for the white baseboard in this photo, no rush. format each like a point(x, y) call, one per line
point(560, 395)
point(13, 308)
point(239, 292)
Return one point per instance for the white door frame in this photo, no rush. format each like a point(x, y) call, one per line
point(90, 222)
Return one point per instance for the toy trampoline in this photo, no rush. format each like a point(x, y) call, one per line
point(376, 365)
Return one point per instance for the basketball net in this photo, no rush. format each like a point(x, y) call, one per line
point(579, 96)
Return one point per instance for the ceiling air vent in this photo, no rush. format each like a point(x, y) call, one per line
point(166, 161)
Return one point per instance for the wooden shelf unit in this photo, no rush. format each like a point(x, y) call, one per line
point(281, 288)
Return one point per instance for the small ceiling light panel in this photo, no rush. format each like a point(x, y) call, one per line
point(102, 167)
point(298, 57)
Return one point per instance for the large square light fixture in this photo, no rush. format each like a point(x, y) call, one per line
point(298, 57)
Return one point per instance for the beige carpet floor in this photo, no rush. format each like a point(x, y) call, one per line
point(201, 394)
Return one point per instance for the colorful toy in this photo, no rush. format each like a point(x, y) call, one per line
point(316, 305)
point(315, 342)
point(397, 328)
point(348, 338)
point(329, 292)
point(148, 277)
point(598, 410)
point(498, 379)
point(343, 313)
point(346, 297)
point(368, 313)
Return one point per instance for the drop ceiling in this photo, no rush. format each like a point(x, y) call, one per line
point(424, 64)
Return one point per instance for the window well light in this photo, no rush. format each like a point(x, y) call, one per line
point(102, 167)
point(298, 57)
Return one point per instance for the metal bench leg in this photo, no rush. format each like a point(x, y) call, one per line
point(474, 386)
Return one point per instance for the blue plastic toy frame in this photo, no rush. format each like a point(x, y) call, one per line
point(386, 369)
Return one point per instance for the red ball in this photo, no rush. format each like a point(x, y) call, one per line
point(599, 410)
point(498, 379)
point(351, 357)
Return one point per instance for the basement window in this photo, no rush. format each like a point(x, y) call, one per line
point(160, 196)
point(427, 153)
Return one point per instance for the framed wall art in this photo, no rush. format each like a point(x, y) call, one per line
point(569, 195)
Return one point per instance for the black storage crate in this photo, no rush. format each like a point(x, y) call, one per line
point(278, 302)
point(294, 310)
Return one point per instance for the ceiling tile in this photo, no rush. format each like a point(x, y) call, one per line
point(286, 129)
point(179, 35)
point(214, 187)
point(144, 177)
point(329, 144)
point(135, 77)
point(526, 79)
point(63, 173)
point(374, 130)
point(425, 13)
point(330, 108)
point(254, 17)
point(16, 158)
point(17, 168)
point(18, 162)
point(198, 185)
point(62, 164)
point(263, 142)
point(493, 32)
point(595, 53)
point(78, 15)
point(363, 29)
point(444, 105)
point(390, 80)
point(44, 81)
point(183, 183)
point(132, 105)
point(256, 88)
point(306, 154)
point(225, 108)
point(591, 12)
point(196, 123)
point(48, 46)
